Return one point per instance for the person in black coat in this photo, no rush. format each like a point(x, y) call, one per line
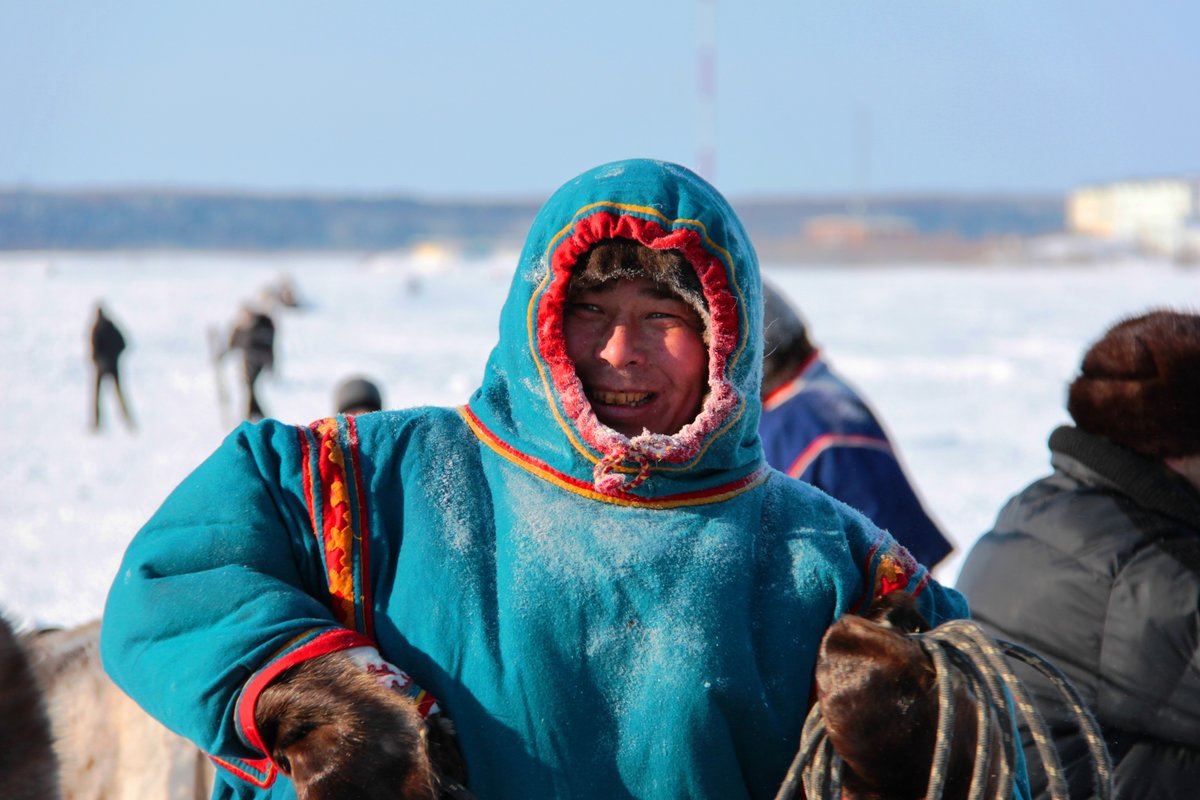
point(1097, 566)
point(107, 345)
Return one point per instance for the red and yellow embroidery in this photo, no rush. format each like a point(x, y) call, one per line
point(889, 567)
point(331, 506)
point(890, 575)
point(544, 471)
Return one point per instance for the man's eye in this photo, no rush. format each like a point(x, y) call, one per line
point(583, 307)
point(681, 314)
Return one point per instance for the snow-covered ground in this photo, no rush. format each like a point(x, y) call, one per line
point(966, 366)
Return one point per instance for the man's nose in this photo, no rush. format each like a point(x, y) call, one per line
point(620, 346)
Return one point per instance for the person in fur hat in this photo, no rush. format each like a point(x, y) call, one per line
point(1097, 566)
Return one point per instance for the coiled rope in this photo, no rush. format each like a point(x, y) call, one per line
point(961, 647)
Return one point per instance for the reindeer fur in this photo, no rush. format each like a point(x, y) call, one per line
point(341, 735)
point(878, 695)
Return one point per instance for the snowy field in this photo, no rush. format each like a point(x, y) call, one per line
point(966, 366)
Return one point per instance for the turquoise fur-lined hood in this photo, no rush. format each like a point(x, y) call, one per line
point(531, 407)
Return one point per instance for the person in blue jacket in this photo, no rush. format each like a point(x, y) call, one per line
point(589, 564)
point(817, 428)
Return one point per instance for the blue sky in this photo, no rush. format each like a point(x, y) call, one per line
point(510, 99)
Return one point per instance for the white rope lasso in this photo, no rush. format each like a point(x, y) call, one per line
point(962, 647)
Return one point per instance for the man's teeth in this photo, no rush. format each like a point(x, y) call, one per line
point(622, 398)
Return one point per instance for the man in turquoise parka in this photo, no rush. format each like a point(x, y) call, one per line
point(598, 578)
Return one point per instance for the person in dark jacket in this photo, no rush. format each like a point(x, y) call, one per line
point(817, 428)
point(254, 335)
point(1097, 566)
point(107, 345)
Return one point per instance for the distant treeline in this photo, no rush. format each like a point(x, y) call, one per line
point(146, 219)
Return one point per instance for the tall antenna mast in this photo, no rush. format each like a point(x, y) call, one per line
point(706, 51)
point(862, 163)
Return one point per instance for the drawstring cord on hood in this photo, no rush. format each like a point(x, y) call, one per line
point(641, 450)
point(608, 481)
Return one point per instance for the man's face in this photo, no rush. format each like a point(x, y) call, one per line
point(639, 351)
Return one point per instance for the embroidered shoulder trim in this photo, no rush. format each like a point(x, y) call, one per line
point(334, 493)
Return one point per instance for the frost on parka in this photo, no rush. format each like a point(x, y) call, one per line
point(601, 617)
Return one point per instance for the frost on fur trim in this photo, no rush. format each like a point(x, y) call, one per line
point(648, 447)
point(698, 276)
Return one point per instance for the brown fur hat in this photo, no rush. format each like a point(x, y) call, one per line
point(1139, 385)
point(618, 257)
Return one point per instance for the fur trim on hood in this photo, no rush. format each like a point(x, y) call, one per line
point(532, 403)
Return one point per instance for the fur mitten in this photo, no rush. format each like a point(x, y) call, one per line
point(347, 725)
point(878, 693)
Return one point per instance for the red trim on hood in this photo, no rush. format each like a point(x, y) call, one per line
point(723, 332)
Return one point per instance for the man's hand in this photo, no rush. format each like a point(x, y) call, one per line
point(878, 694)
point(339, 733)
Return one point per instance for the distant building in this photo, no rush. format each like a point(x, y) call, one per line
point(1159, 215)
point(841, 231)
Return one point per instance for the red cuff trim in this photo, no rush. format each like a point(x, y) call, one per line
point(330, 642)
point(266, 770)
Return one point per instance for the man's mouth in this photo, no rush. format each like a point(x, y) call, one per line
point(629, 399)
